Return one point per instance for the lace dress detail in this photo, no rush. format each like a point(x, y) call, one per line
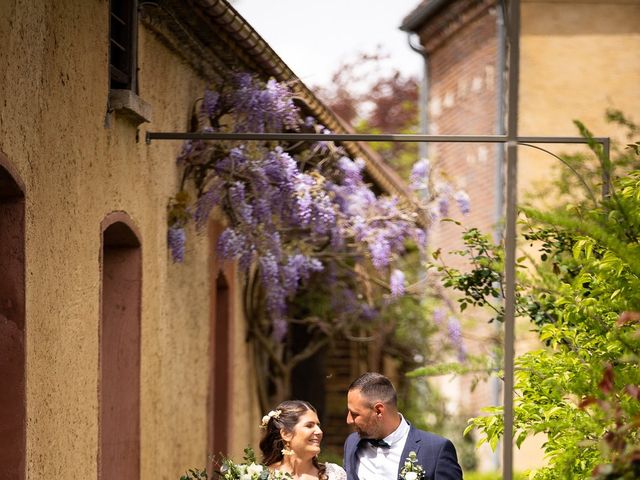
point(335, 472)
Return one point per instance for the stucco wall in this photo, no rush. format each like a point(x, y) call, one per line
point(577, 60)
point(53, 97)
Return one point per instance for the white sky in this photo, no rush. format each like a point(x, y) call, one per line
point(314, 36)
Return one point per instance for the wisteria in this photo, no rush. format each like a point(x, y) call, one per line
point(397, 283)
point(439, 315)
point(176, 238)
point(454, 331)
point(462, 199)
point(419, 180)
point(292, 212)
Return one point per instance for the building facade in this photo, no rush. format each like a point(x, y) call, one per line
point(116, 362)
point(577, 59)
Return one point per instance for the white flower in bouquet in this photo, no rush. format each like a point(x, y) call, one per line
point(254, 469)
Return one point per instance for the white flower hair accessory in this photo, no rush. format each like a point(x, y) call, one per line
point(269, 416)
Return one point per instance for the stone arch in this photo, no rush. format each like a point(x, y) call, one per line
point(120, 330)
point(12, 324)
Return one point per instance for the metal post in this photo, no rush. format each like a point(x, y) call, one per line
point(510, 235)
point(498, 232)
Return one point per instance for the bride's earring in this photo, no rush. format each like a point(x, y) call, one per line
point(286, 451)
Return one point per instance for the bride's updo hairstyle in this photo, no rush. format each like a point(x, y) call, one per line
point(284, 416)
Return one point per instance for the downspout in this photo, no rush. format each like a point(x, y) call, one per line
point(496, 387)
point(423, 147)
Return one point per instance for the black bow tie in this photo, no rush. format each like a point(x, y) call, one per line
point(375, 442)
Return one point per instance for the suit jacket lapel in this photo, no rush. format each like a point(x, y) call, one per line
point(411, 445)
point(353, 464)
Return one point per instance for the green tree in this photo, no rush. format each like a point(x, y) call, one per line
point(580, 294)
point(374, 102)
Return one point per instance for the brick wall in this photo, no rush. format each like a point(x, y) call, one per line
point(462, 63)
point(461, 43)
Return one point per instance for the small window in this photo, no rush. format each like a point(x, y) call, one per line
point(123, 23)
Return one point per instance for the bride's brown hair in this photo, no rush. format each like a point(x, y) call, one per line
point(272, 443)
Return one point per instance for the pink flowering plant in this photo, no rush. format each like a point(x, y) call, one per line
point(319, 246)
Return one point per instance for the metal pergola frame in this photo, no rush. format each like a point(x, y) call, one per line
point(511, 140)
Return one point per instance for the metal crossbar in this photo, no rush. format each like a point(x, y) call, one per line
point(359, 137)
point(511, 140)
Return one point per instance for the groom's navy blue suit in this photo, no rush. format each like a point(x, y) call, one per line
point(436, 455)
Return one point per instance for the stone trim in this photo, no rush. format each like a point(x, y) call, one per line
point(129, 105)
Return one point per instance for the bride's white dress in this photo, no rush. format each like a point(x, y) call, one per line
point(335, 472)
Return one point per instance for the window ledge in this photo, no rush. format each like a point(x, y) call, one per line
point(130, 105)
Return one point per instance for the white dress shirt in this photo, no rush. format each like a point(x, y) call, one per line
point(377, 463)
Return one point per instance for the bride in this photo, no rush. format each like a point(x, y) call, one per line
point(291, 443)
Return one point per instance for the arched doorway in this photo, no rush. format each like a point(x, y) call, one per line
point(12, 326)
point(220, 349)
point(119, 388)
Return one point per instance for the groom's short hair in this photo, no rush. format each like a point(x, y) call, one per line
point(375, 387)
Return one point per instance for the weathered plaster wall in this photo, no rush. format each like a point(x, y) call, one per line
point(53, 102)
point(577, 60)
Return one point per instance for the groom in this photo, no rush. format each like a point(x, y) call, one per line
point(383, 439)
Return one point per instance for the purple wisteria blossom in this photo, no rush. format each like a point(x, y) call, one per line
point(455, 337)
point(280, 327)
point(380, 250)
point(185, 152)
point(210, 102)
point(298, 269)
point(439, 316)
point(462, 199)
point(419, 179)
point(176, 238)
point(352, 170)
point(231, 244)
point(291, 211)
point(239, 203)
point(396, 283)
point(263, 108)
point(276, 294)
point(205, 203)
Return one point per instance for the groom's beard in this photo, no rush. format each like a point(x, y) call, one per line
point(365, 433)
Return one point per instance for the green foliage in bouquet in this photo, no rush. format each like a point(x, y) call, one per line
point(195, 474)
point(249, 469)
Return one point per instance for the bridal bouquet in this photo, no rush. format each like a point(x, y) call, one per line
point(249, 470)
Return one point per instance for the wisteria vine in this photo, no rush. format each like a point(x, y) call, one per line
point(293, 209)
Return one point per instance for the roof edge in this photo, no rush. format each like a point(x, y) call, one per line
point(228, 18)
point(421, 14)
